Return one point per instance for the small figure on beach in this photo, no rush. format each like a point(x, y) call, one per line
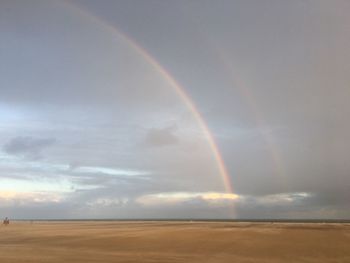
point(6, 221)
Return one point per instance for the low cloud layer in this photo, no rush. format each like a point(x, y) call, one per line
point(164, 199)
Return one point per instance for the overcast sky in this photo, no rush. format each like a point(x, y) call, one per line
point(90, 128)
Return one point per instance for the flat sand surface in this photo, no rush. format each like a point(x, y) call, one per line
point(174, 242)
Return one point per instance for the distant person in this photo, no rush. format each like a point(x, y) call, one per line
point(6, 221)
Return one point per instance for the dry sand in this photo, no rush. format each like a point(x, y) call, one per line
point(173, 242)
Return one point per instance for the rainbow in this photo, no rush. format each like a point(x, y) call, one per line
point(180, 91)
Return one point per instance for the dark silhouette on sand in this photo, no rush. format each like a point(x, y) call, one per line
point(6, 221)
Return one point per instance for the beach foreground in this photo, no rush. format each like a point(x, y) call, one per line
point(173, 242)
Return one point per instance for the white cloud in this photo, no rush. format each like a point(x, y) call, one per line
point(277, 199)
point(218, 198)
point(19, 185)
point(9, 198)
point(109, 171)
point(182, 197)
point(108, 202)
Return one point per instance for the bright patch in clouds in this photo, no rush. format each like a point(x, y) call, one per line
point(16, 185)
point(10, 197)
point(283, 198)
point(174, 198)
point(109, 171)
point(182, 197)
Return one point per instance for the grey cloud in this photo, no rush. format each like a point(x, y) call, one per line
point(159, 137)
point(28, 146)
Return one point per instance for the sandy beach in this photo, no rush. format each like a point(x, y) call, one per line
point(173, 242)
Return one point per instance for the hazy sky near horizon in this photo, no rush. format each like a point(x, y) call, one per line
point(89, 128)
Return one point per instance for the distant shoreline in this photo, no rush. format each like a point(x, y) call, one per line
point(194, 220)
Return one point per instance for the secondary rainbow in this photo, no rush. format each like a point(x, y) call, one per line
point(247, 94)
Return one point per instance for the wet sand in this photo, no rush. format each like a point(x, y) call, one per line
point(173, 242)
